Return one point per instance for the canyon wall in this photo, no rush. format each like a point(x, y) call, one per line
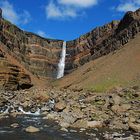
point(102, 41)
point(39, 55)
point(25, 55)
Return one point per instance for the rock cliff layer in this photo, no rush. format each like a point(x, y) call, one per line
point(27, 53)
point(12, 77)
point(39, 55)
point(102, 40)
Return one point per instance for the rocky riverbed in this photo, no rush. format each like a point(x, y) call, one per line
point(113, 113)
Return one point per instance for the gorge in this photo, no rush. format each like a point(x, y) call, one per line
point(87, 88)
point(40, 56)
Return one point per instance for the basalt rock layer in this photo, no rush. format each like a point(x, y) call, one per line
point(102, 40)
point(39, 55)
point(12, 77)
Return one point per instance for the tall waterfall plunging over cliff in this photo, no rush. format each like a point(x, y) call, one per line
point(61, 64)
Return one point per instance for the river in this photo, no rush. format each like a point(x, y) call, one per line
point(51, 131)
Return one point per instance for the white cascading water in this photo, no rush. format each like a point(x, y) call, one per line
point(61, 64)
point(29, 113)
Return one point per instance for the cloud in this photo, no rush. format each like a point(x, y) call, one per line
point(54, 11)
point(129, 5)
point(137, 2)
point(25, 17)
point(41, 33)
point(64, 9)
point(79, 3)
point(10, 13)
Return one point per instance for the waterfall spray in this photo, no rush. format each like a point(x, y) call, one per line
point(61, 64)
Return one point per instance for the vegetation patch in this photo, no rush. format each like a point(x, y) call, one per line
point(104, 85)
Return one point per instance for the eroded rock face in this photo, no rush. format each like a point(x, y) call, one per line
point(102, 40)
point(38, 55)
point(12, 77)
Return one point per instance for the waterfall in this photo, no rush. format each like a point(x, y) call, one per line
point(61, 64)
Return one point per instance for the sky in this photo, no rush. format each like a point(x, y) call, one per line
point(64, 19)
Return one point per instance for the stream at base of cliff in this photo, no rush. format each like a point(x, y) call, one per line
point(17, 129)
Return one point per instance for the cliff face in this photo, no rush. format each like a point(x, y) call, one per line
point(12, 77)
point(35, 54)
point(102, 40)
point(39, 55)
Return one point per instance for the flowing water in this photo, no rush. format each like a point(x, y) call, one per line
point(61, 64)
point(48, 130)
point(51, 131)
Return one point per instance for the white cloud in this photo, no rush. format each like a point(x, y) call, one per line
point(137, 2)
point(55, 11)
point(63, 9)
point(127, 7)
point(25, 17)
point(79, 3)
point(130, 5)
point(41, 33)
point(10, 13)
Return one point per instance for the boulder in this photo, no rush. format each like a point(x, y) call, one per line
point(134, 127)
point(94, 124)
point(68, 117)
point(51, 116)
point(64, 129)
point(120, 108)
point(116, 99)
point(15, 125)
point(3, 101)
point(32, 129)
point(60, 106)
point(80, 124)
point(64, 124)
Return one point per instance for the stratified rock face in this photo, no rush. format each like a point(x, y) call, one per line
point(102, 41)
point(39, 55)
point(12, 77)
point(29, 56)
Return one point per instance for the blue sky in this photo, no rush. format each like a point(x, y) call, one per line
point(64, 19)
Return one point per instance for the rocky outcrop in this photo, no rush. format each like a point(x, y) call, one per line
point(102, 40)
